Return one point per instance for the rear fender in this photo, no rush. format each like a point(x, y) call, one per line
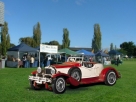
point(68, 78)
point(105, 70)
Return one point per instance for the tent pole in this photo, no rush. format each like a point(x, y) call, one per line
point(65, 57)
point(102, 59)
point(39, 58)
point(57, 58)
point(18, 59)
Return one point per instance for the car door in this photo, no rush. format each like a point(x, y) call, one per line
point(98, 68)
point(88, 72)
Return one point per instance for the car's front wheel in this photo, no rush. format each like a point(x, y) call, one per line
point(110, 78)
point(59, 85)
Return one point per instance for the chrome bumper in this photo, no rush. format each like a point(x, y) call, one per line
point(39, 80)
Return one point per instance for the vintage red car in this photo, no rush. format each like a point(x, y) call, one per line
point(74, 72)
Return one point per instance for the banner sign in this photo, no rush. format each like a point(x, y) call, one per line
point(48, 48)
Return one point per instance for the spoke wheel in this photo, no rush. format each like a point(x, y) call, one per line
point(59, 85)
point(76, 74)
point(110, 78)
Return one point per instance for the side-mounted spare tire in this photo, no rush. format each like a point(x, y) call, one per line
point(75, 73)
point(110, 78)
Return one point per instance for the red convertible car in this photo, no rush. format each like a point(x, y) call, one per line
point(74, 72)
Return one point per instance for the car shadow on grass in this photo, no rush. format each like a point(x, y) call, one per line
point(68, 88)
point(41, 89)
point(82, 87)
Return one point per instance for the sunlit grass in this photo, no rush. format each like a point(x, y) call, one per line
point(14, 87)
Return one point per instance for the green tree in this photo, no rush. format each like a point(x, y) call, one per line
point(37, 34)
point(96, 41)
point(12, 45)
point(66, 40)
point(128, 47)
point(46, 43)
point(28, 40)
point(134, 51)
point(122, 51)
point(54, 42)
point(8, 41)
point(4, 34)
point(111, 46)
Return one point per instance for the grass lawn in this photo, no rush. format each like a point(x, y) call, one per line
point(14, 87)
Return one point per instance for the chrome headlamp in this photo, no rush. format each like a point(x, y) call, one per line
point(53, 70)
point(39, 69)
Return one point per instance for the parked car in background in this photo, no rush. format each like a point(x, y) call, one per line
point(125, 56)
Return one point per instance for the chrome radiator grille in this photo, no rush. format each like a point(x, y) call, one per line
point(47, 71)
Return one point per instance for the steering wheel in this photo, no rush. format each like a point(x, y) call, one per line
point(89, 65)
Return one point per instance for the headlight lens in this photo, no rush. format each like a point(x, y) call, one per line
point(39, 69)
point(52, 71)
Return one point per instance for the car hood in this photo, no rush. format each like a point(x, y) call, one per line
point(67, 64)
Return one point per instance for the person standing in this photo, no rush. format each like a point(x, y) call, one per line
point(28, 58)
point(31, 61)
point(104, 60)
point(90, 59)
point(24, 61)
point(117, 61)
point(45, 61)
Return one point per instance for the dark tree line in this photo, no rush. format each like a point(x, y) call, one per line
point(128, 48)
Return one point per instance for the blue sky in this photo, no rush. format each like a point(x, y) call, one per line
point(117, 20)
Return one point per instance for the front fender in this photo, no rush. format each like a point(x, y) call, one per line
point(34, 72)
point(105, 70)
point(59, 74)
point(68, 78)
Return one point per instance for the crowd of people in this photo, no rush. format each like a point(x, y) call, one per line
point(45, 60)
point(32, 60)
point(28, 60)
